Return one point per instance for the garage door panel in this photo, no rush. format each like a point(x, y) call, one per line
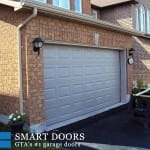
point(62, 115)
point(77, 71)
point(50, 93)
point(63, 101)
point(52, 55)
point(50, 73)
point(63, 81)
point(78, 97)
point(64, 91)
point(76, 63)
point(90, 78)
point(79, 81)
point(89, 87)
point(64, 54)
point(63, 72)
point(77, 89)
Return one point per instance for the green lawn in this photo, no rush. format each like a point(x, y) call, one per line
point(4, 128)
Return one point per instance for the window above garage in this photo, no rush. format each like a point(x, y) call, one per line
point(78, 6)
point(42, 1)
point(95, 14)
point(142, 19)
point(148, 21)
point(62, 3)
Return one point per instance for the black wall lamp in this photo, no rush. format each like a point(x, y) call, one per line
point(37, 45)
point(131, 59)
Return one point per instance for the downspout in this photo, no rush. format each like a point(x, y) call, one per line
point(34, 14)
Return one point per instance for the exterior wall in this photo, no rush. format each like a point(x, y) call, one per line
point(9, 90)
point(124, 15)
point(142, 59)
point(120, 15)
point(9, 84)
point(49, 1)
point(142, 54)
point(86, 6)
point(49, 28)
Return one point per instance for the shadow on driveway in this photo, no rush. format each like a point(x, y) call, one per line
point(118, 129)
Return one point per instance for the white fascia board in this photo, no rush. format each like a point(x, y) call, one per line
point(14, 4)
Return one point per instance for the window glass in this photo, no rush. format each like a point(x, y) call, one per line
point(142, 19)
point(62, 3)
point(56, 2)
point(42, 1)
point(78, 5)
point(94, 14)
point(148, 21)
point(137, 18)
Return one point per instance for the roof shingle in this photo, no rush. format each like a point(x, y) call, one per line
point(105, 3)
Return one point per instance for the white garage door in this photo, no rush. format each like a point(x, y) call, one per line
point(79, 81)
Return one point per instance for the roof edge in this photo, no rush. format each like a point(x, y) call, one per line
point(81, 18)
point(119, 3)
point(16, 5)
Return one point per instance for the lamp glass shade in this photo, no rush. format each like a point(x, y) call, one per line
point(38, 43)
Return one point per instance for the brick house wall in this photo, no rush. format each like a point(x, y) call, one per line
point(142, 59)
point(8, 63)
point(86, 5)
point(49, 28)
point(124, 15)
point(142, 55)
point(120, 15)
point(9, 89)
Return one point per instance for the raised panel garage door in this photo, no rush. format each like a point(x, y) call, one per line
point(79, 81)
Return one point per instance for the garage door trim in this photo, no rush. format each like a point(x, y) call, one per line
point(51, 42)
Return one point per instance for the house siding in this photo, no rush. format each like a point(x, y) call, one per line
point(142, 54)
point(120, 15)
point(124, 15)
point(86, 6)
point(48, 28)
point(9, 89)
point(141, 66)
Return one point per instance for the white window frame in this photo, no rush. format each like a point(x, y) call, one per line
point(142, 19)
point(148, 21)
point(80, 7)
point(137, 22)
point(43, 1)
point(95, 14)
point(59, 5)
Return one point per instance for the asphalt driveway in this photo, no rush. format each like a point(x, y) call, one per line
point(113, 131)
